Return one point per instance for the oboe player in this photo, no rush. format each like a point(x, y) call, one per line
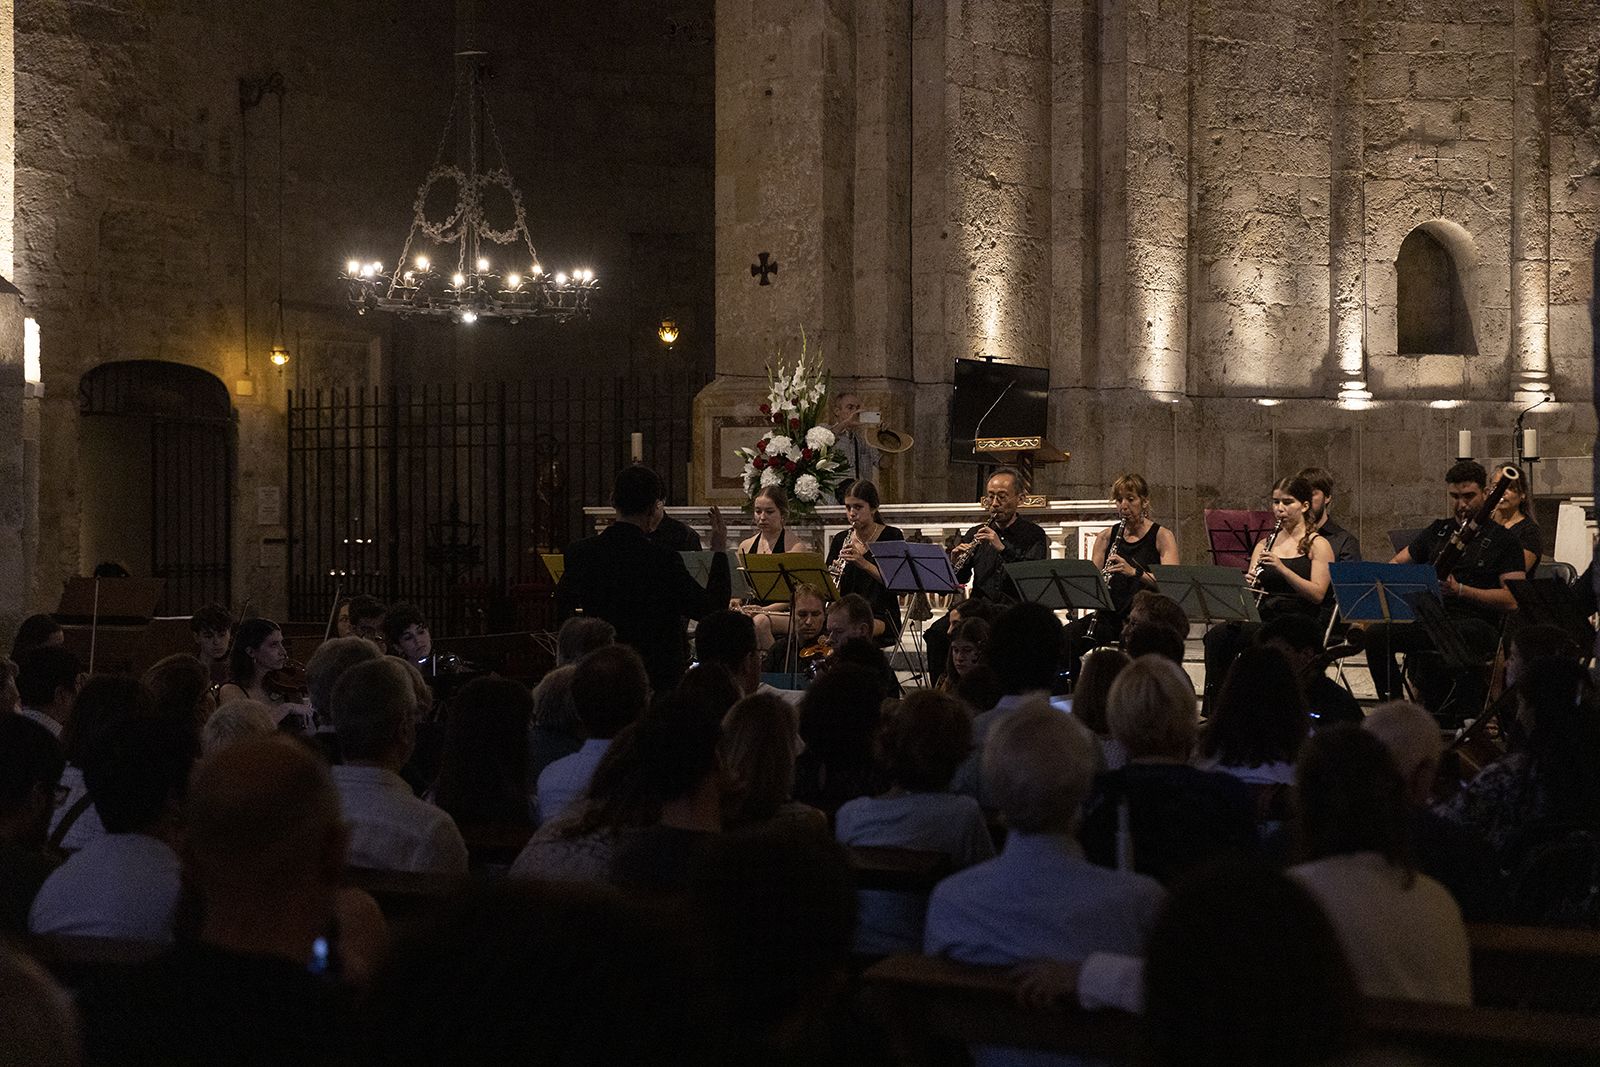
point(1476, 599)
point(1124, 552)
point(1291, 573)
point(1005, 538)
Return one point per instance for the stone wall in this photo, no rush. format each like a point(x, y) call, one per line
point(1202, 214)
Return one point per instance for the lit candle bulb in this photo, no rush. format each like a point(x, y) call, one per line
point(422, 262)
point(513, 281)
point(483, 264)
point(561, 279)
point(458, 280)
point(353, 267)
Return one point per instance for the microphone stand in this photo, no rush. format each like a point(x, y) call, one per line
point(1519, 456)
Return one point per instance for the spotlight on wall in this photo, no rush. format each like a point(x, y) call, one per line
point(1444, 405)
point(1268, 401)
point(32, 376)
point(668, 332)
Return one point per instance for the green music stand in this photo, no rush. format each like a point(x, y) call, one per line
point(1075, 584)
point(699, 564)
point(1208, 594)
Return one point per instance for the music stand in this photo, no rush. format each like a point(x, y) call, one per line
point(773, 576)
point(1062, 583)
point(1208, 594)
point(699, 565)
point(555, 563)
point(1380, 592)
point(914, 567)
point(1551, 602)
point(1233, 534)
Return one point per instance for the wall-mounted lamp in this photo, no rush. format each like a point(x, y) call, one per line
point(280, 354)
point(668, 332)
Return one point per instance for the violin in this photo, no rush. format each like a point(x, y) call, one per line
point(812, 660)
point(287, 684)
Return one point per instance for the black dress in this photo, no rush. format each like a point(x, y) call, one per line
point(885, 605)
point(1224, 641)
point(1105, 627)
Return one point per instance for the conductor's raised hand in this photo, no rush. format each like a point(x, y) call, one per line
point(719, 531)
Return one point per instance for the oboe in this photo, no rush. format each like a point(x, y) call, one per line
point(1254, 578)
point(963, 552)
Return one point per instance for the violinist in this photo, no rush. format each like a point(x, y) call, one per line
point(212, 627)
point(809, 610)
point(1476, 600)
point(850, 557)
point(259, 669)
point(366, 620)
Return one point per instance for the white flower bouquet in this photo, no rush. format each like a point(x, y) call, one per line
point(798, 450)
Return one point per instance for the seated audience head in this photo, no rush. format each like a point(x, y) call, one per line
point(262, 833)
point(1243, 967)
point(553, 708)
point(610, 689)
point(36, 631)
point(39, 1026)
point(669, 753)
point(1352, 799)
point(137, 769)
point(862, 652)
point(541, 973)
point(10, 699)
point(760, 740)
point(839, 713)
point(48, 678)
point(980, 688)
point(1299, 637)
point(849, 617)
point(1260, 717)
point(331, 659)
point(1149, 606)
point(1024, 648)
point(235, 721)
point(809, 612)
point(969, 641)
point(30, 770)
point(483, 771)
point(636, 491)
point(104, 699)
point(181, 685)
point(775, 909)
point(712, 686)
point(1538, 642)
point(581, 635)
point(1038, 765)
point(257, 649)
point(1411, 735)
point(366, 618)
point(212, 627)
point(374, 713)
point(728, 639)
point(1151, 710)
point(1152, 639)
point(1099, 670)
point(923, 740)
point(1556, 706)
point(406, 630)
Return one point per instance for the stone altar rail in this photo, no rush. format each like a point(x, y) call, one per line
point(1070, 524)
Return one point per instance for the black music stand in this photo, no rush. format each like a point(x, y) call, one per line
point(1551, 602)
point(1076, 584)
point(1380, 592)
point(699, 564)
point(1208, 594)
point(914, 567)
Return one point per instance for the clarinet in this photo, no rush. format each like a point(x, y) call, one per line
point(1106, 573)
point(1254, 578)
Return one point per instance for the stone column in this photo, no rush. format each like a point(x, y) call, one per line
point(1530, 202)
point(15, 504)
point(1347, 261)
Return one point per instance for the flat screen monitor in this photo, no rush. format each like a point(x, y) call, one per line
point(994, 399)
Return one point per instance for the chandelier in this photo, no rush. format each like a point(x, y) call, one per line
point(448, 266)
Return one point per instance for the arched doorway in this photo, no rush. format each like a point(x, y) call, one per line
point(156, 458)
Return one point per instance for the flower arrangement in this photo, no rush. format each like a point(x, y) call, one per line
point(798, 450)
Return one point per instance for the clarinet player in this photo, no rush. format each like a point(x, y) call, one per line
point(1004, 538)
point(1476, 601)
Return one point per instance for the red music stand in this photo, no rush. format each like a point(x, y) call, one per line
point(1234, 533)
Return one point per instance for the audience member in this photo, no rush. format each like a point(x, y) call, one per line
point(1256, 729)
point(1448, 853)
point(1300, 638)
point(1176, 815)
point(30, 774)
point(866, 654)
point(104, 699)
point(181, 686)
point(235, 721)
point(921, 744)
point(760, 740)
point(366, 620)
point(728, 639)
point(581, 635)
point(323, 670)
point(1152, 608)
point(10, 698)
point(1400, 930)
point(36, 631)
point(609, 690)
point(1096, 673)
point(1024, 649)
point(38, 1027)
point(1150, 639)
point(839, 717)
point(969, 642)
point(374, 708)
point(539, 973)
point(483, 776)
point(1553, 784)
point(849, 630)
point(715, 688)
point(553, 729)
point(212, 627)
point(125, 883)
point(1243, 967)
point(48, 678)
point(1039, 899)
point(980, 688)
point(265, 853)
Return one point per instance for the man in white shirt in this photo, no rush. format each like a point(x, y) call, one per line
point(610, 689)
point(125, 883)
point(374, 708)
point(47, 681)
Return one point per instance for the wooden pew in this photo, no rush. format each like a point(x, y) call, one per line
point(495, 845)
point(924, 1002)
point(406, 896)
point(1537, 967)
point(73, 959)
point(903, 870)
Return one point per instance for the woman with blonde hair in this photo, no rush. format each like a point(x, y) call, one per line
point(760, 740)
point(769, 510)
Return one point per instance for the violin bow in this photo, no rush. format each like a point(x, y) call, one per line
point(333, 612)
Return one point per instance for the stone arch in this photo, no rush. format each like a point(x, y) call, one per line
point(1435, 290)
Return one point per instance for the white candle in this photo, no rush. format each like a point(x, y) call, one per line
point(638, 447)
point(1530, 444)
point(1463, 444)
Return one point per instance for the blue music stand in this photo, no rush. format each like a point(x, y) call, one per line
point(1380, 592)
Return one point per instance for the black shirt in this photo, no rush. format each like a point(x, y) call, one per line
point(986, 567)
point(1495, 551)
point(678, 536)
point(1143, 554)
point(885, 605)
point(1180, 817)
point(1528, 536)
point(1346, 549)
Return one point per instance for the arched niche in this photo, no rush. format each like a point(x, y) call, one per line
point(1435, 305)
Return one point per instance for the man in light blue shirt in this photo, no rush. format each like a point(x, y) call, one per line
point(609, 690)
point(1039, 899)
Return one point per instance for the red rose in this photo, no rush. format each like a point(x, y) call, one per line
point(806, 454)
point(794, 424)
point(791, 466)
point(766, 409)
point(759, 462)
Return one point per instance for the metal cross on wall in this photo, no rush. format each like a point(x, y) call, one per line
point(762, 268)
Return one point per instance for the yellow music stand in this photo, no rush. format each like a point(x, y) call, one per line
point(773, 576)
point(555, 563)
